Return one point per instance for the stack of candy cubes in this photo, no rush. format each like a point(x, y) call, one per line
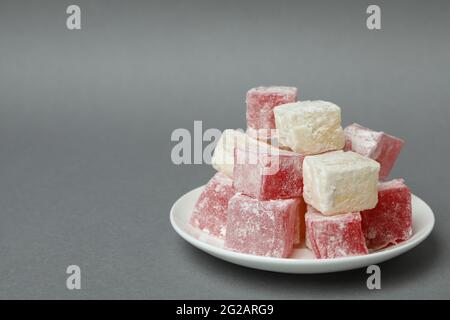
point(296, 178)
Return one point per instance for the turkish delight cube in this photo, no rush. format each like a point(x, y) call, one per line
point(300, 227)
point(390, 222)
point(260, 103)
point(223, 157)
point(335, 236)
point(263, 228)
point(268, 174)
point(376, 145)
point(340, 182)
point(210, 210)
point(309, 127)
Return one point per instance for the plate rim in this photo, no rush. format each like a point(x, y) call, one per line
point(392, 252)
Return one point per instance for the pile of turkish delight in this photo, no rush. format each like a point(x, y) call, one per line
point(297, 178)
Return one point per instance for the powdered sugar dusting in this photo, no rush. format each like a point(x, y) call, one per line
point(210, 211)
point(390, 222)
point(264, 228)
point(334, 236)
point(377, 145)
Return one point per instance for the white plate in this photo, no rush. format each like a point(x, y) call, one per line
point(302, 260)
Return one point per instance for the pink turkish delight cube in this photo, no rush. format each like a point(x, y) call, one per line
point(260, 103)
point(263, 228)
point(334, 236)
point(268, 174)
point(210, 210)
point(390, 222)
point(377, 145)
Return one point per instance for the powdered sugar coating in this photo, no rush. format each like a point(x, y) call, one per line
point(390, 222)
point(260, 103)
point(391, 184)
point(263, 228)
point(377, 145)
point(362, 140)
point(334, 236)
point(210, 211)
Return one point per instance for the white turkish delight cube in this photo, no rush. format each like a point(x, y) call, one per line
point(309, 127)
point(340, 182)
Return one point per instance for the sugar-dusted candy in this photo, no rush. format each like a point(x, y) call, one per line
point(390, 222)
point(210, 211)
point(300, 227)
point(309, 127)
point(335, 236)
point(263, 228)
point(340, 182)
point(223, 157)
point(260, 103)
point(268, 174)
point(376, 145)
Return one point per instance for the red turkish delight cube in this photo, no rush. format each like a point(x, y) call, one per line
point(210, 211)
point(263, 228)
point(268, 174)
point(390, 222)
point(260, 103)
point(377, 145)
point(335, 236)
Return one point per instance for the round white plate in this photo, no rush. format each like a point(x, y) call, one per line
point(302, 260)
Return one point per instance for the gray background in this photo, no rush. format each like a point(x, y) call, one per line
point(86, 117)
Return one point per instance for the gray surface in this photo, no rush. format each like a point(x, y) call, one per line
point(86, 118)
